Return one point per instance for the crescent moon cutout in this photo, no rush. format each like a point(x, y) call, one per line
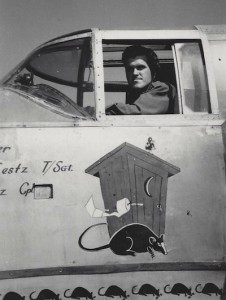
point(146, 186)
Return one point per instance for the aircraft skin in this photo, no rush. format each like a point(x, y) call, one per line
point(72, 182)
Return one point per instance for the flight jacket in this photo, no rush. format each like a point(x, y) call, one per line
point(159, 98)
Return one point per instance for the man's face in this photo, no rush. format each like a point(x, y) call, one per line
point(137, 72)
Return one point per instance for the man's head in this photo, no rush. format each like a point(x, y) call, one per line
point(142, 66)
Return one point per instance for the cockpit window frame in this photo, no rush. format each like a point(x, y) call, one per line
point(47, 48)
point(180, 35)
point(101, 119)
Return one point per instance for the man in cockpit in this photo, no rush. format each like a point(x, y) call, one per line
point(146, 95)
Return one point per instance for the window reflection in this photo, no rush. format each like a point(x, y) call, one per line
point(59, 78)
point(193, 78)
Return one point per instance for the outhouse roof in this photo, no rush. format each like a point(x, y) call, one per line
point(127, 148)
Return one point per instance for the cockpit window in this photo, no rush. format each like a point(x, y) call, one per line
point(59, 78)
point(147, 77)
point(218, 51)
point(192, 72)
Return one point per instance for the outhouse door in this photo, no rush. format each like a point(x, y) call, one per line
point(148, 190)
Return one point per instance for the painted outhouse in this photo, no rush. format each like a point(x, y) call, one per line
point(141, 177)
